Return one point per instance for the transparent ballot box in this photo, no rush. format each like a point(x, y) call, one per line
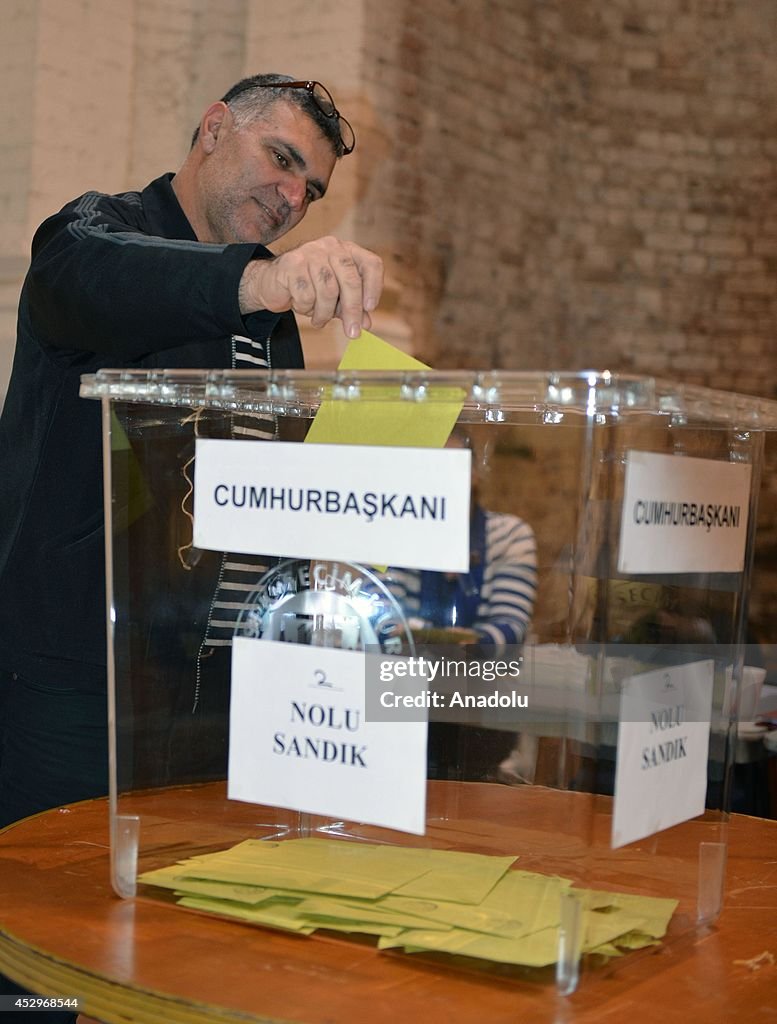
point(448, 662)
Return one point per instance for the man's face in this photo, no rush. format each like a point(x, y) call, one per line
point(257, 181)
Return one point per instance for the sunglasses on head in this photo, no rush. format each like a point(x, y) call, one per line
point(323, 99)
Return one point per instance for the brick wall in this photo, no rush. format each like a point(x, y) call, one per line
point(585, 184)
point(100, 94)
point(582, 184)
point(552, 183)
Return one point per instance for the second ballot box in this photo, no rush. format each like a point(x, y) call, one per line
point(446, 660)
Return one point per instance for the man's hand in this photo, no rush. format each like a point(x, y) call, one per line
point(322, 279)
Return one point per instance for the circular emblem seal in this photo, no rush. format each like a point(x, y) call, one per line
point(326, 604)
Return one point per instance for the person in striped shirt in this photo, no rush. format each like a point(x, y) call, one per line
point(492, 603)
point(487, 609)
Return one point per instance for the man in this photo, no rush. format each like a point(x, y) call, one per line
point(174, 276)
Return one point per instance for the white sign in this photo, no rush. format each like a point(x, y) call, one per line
point(663, 744)
point(298, 738)
point(377, 506)
point(683, 514)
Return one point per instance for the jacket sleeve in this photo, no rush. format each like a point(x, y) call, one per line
point(99, 284)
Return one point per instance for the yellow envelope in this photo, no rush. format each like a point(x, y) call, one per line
point(363, 928)
point(414, 898)
point(653, 912)
point(369, 352)
point(625, 943)
point(173, 878)
point(280, 916)
point(532, 898)
point(321, 909)
point(539, 949)
point(603, 928)
point(455, 876)
point(520, 903)
point(378, 416)
point(310, 865)
point(438, 913)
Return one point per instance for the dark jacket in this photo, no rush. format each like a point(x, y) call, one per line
point(115, 281)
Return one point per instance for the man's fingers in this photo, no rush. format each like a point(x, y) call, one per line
point(350, 307)
point(302, 292)
point(360, 278)
point(366, 321)
point(370, 268)
point(327, 292)
point(323, 279)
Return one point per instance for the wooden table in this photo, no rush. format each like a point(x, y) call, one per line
point(64, 932)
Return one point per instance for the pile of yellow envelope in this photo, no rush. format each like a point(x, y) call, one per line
point(416, 899)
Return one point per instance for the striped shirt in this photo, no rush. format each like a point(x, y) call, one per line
point(238, 573)
point(509, 582)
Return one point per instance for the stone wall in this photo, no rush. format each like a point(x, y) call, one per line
point(582, 185)
point(586, 185)
point(552, 183)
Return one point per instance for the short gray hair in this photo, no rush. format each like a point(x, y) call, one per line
point(250, 97)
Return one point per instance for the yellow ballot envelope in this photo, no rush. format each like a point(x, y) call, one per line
point(380, 417)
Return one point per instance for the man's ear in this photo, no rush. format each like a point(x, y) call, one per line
point(211, 125)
